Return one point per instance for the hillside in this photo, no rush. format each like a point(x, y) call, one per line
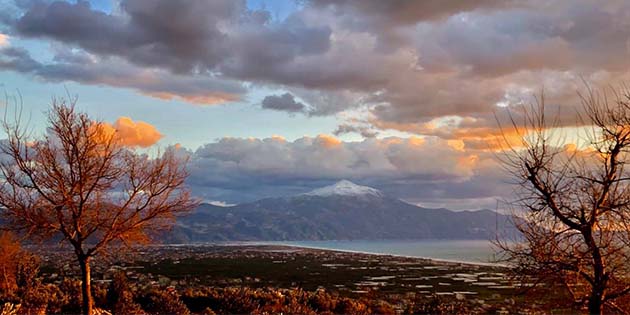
point(341, 211)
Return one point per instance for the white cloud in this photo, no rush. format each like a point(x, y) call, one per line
point(239, 169)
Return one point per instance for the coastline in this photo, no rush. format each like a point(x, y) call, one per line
point(436, 260)
point(300, 246)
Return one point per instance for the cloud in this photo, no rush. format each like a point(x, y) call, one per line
point(285, 102)
point(401, 12)
point(89, 69)
point(403, 64)
point(327, 141)
point(364, 131)
point(238, 169)
point(190, 39)
point(441, 70)
point(216, 41)
point(386, 18)
point(470, 62)
point(200, 36)
point(406, 61)
point(4, 40)
point(133, 133)
point(209, 98)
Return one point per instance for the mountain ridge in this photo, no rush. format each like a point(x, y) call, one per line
point(342, 211)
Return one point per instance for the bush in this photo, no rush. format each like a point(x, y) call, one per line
point(436, 305)
point(351, 307)
point(322, 302)
point(163, 302)
point(71, 289)
point(119, 297)
point(18, 268)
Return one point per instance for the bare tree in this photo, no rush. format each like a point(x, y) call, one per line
point(80, 184)
point(573, 206)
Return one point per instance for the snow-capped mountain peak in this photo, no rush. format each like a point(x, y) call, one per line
point(345, 188)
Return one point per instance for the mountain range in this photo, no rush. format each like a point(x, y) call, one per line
point(343, 211)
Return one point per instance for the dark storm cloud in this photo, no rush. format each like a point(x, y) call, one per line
point(285, 102)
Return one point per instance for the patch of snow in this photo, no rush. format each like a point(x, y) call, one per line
point(345, 188)
point(220, 203)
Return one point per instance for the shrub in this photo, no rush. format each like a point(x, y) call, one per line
point(71, 289)
point(162, 302)
point(18, 268)
point(119, 297)
point(351, 307)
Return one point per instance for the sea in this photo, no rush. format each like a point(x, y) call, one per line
point(468, 251)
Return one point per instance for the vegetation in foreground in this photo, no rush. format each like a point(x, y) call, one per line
point(274, 279)
point(79, 184)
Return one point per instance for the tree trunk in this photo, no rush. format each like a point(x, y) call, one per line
point(86, 285)
point(595, 303)
point(596, 300)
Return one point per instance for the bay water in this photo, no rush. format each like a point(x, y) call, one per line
point(470, 251)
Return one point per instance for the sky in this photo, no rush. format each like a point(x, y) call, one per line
point(272, 98)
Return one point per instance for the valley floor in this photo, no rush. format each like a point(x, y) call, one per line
point(404, 285)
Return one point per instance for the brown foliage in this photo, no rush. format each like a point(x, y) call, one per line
point(80, 183)
point(18, 268)
point(163, 302)
point(276, 301)
point(120, 298)
point(435, 305)
point(10, 251)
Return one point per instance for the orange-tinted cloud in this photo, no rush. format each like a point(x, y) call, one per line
point(417, 141)
point(464, 138)
point(490, 139)
point(429, 165)
point(278, 138)
point(327, 141)
point(456, 144)
point(4, 40)
point(207, 99)
point(132, 133)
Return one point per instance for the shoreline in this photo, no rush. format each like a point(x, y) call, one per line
point(279, 243)
point(437, 260)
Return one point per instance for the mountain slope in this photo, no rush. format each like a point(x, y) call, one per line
point(340, 211)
